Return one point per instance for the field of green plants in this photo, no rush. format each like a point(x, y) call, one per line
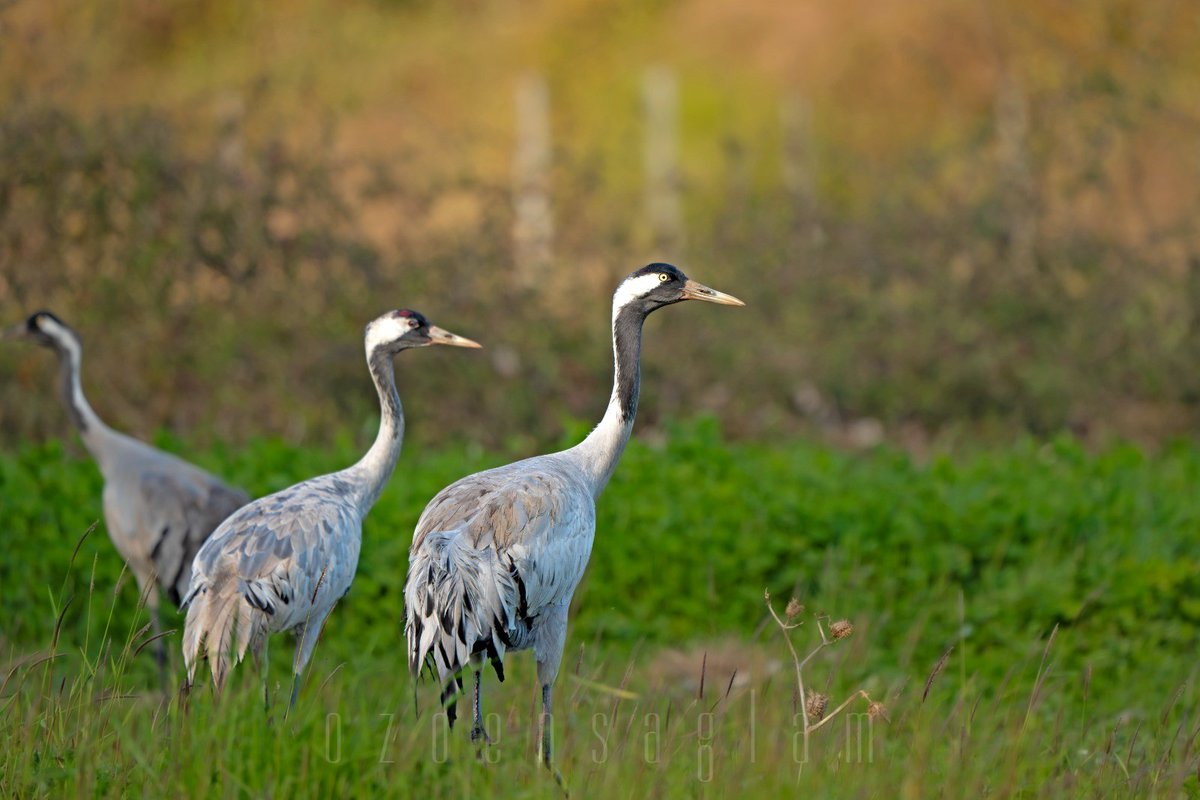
point(1025, 618)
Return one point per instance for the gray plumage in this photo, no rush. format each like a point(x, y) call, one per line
point(282, 562)
point(495, 559)
point(279, 564)
point(496, 556)
point(158, 508)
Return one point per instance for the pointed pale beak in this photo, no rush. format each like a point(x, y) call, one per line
point(442, 336)
point(698, 291)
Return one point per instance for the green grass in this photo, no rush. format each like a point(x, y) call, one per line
point(1064, 584)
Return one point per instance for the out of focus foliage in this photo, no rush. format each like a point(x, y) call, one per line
point(947, 220)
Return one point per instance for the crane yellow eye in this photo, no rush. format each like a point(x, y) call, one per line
point(663, 277)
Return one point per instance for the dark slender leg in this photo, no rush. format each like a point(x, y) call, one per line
point(478, 732)
point(160, 649)
point(185, 693)
point(298, 661)
point(546, 734)
point(545, 728)
point(266, 663)
point(548, 649)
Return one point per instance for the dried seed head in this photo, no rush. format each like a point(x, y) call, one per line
point(794, 608)
point(815, 706)
point(841, 629)
point(876, 710)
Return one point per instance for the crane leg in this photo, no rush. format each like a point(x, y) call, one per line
point(547, 650)
point(545, 728)
point(478, 732)
point(546, 737)
point(148, 594)
point(160, 647)
point(297, 666)
point(305, 642)
point(295, 691)
point(266, 661)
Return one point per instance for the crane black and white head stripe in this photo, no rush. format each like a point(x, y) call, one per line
point(657, 285)
point(649, 288)
point(403, 327)
point(644, 291)
point(45, 329)
point(397, 330)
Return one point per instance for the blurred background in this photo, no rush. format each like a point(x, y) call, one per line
point(950, 221)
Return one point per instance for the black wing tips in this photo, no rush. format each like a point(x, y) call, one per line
point(449, 698)
point(197, 589)
point(440, 657)
point(259, 597)
point(496, 660)
point(522, 598)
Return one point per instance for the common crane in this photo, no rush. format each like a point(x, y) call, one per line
point(496, 556)
point(283, 561)
point(158, 508)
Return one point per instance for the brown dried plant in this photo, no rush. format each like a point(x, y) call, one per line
point(814, 705)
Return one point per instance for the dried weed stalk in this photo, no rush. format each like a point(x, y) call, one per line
point(814, 705)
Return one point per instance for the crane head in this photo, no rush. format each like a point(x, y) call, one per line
point(658, 285)
point(404, 328)
point(42, 328)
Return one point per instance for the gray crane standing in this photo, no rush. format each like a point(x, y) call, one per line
point(283, 561)
point(158, 508)
point(497, 555)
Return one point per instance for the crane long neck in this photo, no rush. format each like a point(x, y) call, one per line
point(91, 429)
point(602, 449)
point(372, 471)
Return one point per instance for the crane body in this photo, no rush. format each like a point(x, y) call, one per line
point(497, 555)
point(158, 508)
point(282, 562)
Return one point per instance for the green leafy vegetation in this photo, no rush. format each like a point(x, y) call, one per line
point(1043, 597)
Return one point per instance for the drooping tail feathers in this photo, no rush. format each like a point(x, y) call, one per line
point(217, 611)
point(460, 601)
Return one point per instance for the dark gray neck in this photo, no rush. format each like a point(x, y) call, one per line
point(599, 453)
point(383, 373)
point(627, 353)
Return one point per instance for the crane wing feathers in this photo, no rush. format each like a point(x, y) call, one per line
point(177, 512)
point(289, 531)
point(270, 566)
point(502, 505)
point(490, 553)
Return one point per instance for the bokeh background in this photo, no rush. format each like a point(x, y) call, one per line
point(951, 221)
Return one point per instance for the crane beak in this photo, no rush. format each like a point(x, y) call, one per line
point(698, 291)
point(441, 336)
